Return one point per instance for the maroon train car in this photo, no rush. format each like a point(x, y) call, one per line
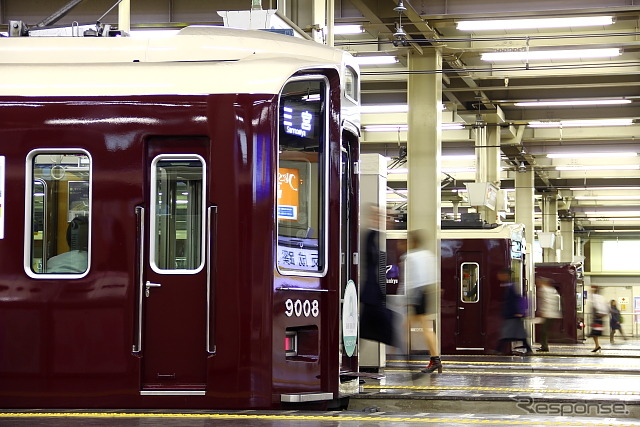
point(471, 296)
point(179, 220)
point(567, 279)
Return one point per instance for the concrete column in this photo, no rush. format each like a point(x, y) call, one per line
point(488, 164)
point(124, 17)
point(373, 191)
point(330, 23)
point(525, 207)
point(424, 140)
point(319, 18)
point(567, 253)
point(550, 225)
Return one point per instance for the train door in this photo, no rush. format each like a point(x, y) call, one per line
point(470, 333)
point(349, 235)
point(174, 288)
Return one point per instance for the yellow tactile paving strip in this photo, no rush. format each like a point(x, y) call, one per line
point(528, 364)
point(502, 389)
point(316, 418)
point(520, 373)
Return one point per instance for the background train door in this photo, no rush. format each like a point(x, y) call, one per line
point(174, 280)
point(470, 324)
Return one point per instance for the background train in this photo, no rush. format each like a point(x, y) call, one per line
point(568, 280)
point(179, 221)
point(471, 295)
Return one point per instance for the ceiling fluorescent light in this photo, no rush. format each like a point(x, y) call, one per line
point(458, 170)
point(388, 108)
point(398, 171)
point(590, 155)
point(347, 29)
point(519, 24)
point(619, 214)
point(533, 55)
point(621, 198)
point(376, 60)
point(404, 128)
point(572, 103)
point(582, 123)
point(385, 108)
point(603, 188)
point(386, 128)
point(598, 168)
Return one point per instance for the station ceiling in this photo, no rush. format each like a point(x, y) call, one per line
point(597, 180)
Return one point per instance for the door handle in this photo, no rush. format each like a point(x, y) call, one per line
point(150, 285)
point(459, 308)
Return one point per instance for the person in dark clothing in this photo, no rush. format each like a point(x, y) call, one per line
point(615, 321)
point(513, 314)
point(376, 320)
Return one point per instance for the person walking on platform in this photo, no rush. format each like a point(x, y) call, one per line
point(420, 280)
point(615, 321)
point(548, 309)
point(599, 311)
point(513, 314)
point(376, 320)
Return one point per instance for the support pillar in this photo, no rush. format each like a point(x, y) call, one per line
point(567, 253)
point(488, 164)
point(525, 207)
point(319, 18)
point(424, 147)
point(124, 17)
point(550, 225)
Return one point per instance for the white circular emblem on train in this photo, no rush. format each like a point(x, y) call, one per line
point(350, 318)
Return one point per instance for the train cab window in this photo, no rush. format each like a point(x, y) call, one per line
point(470, 282)
point(301, 179)
point(59, 208)
point(177, 214)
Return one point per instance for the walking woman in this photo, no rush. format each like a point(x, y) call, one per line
point(615, 321)
point(599, 311)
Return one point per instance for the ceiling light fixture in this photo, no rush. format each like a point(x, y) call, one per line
point(376, 60)
point(582, 123)
point(603, 188)
point(590, 155)
point(404, 128)
point(572, 103)
point(389, 108)
point(621, 198)
point(533, 55)
point(519, 24)
point(598, 168)
point(348, 29)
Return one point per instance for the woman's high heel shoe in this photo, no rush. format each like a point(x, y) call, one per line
point(596, 350)
point(434, 363)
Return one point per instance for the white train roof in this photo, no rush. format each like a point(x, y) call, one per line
point(198, 60)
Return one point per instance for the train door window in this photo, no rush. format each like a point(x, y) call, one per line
point(301, 184)
point(58, 213)
point(470, 282)
point(177, 212)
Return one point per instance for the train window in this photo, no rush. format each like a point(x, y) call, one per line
point(351, 84)
point(470, 282)
point(177, 214)
point(301, 179)
point(59, 194)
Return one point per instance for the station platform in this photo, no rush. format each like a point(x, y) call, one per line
point(568, 386)
point(569, 379)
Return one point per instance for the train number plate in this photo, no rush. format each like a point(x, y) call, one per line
point(302, 308)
